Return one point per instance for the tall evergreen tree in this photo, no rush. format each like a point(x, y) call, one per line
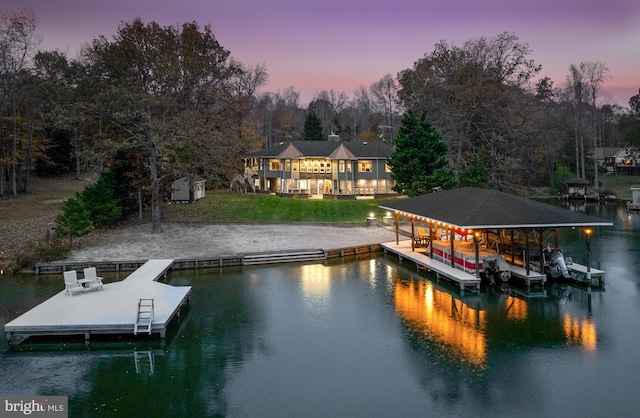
point(312, 128)
point(419, 163)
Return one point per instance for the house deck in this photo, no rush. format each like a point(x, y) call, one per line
point(110, 310)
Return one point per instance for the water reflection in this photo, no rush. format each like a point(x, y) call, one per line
point(468, 329)
point(440, 316)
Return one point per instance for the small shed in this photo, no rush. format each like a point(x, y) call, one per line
point(576, 188)
point(186, 190)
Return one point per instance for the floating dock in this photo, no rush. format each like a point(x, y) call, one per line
point(110, 310)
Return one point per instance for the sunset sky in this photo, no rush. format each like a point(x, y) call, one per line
point(342, 44)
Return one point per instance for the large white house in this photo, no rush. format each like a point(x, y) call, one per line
point(327, 169)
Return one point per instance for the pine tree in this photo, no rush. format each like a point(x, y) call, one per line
point(75, 220)
point(419, 163)
point(312, 128)
point(105, 207)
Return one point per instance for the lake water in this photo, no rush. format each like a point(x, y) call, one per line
point(359, 337)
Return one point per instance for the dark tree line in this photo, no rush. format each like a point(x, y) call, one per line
point(481, 96)
point(160, 102)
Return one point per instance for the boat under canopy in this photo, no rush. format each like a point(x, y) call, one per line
point(473, 213)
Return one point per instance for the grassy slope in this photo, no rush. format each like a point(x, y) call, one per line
point(25, 220)
point(225, 206)
point(620, 185)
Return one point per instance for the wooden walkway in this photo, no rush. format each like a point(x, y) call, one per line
point(440, 269)
point(111, 310)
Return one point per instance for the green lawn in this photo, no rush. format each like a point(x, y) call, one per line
point(226, 206)
point(621, 185)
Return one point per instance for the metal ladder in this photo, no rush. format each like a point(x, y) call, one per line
point(145, 316)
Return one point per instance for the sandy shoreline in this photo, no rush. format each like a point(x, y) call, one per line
point(180, 241)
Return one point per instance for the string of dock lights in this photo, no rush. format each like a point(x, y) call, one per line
point(454, 228)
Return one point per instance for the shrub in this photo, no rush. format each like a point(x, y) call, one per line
point(75, 219)
point(52, 251)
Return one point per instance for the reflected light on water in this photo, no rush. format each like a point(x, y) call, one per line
point(580, 331)
point(315, 282)
point(372, 273)
point(440, 316)
point(516, 308)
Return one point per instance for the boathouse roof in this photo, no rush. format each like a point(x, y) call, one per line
point(474, 208)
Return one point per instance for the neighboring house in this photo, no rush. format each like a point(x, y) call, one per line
point(327, 169)
point(576, 188)
point(184, 190)
point(626, 163)
point(606, 158)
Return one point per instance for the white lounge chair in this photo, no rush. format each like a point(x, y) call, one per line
point(91, 278)
point(71, 282)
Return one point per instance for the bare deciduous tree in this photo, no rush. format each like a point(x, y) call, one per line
point(18, 39)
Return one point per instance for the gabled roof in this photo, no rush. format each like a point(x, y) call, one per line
point(290, 152)
point(342, 153)
point(623, 152)
point(359, 149)
point(473, 208)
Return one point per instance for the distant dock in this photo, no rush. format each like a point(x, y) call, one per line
point(111, 310)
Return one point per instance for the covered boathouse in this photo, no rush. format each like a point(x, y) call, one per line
point(451, 230)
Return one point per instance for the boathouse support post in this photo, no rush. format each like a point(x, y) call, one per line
point(540, 249)
point(525, 259)
point(587, 233)
point(477, 250)
point(513, 248)
point(413, 228)
point(453, 259)
point(431, 236)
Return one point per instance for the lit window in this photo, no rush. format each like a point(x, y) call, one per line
point(364, 165)
point(275, 165)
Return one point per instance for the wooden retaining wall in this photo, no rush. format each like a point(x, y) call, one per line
point(219, 262)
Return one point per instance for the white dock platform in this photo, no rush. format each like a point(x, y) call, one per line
point(579, 273)
point(530, 278)
point(110, 310)
point(463, 279)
